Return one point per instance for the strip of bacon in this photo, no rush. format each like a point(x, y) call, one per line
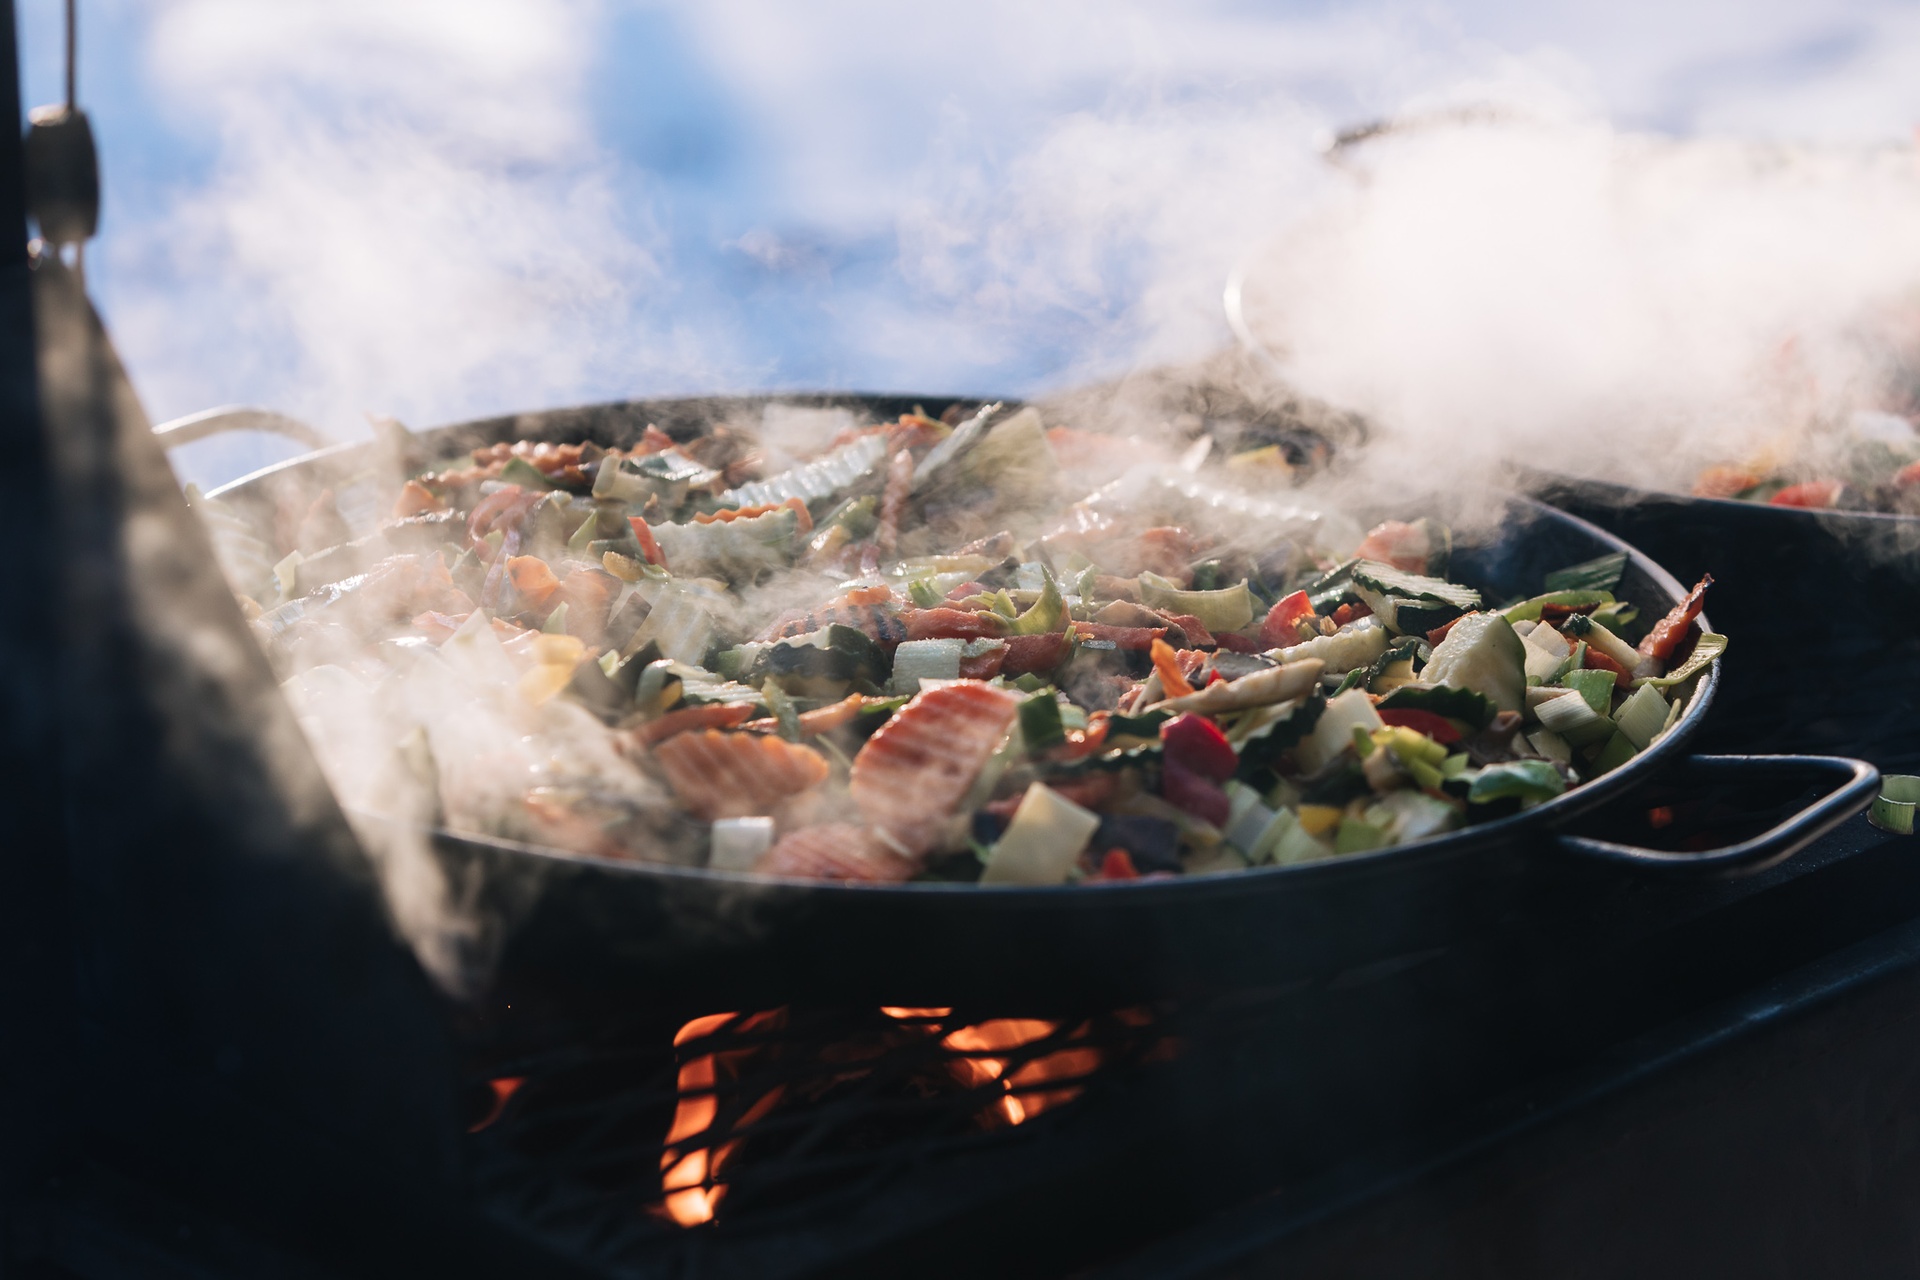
point(1198, 637)
point(835, 851)
point(715, 715)
point(953, 624)
point(919, 765)
point(881, 624)
point(985, 666)
point(1035, 653)
point(1668, 632)
point(1124, 637)
point(736, 775)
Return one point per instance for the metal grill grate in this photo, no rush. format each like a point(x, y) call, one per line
point(770, 1121)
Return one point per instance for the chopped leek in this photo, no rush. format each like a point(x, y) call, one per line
point(1602, 573)
point(1642, 716)
point(1043, 842)
point(1354, 646)
point(917, 660)
point(1528, 779)
point(1593, 685)
point(738, 843)
point(1574, 719)
point(1225, 609)
point(1530, 609)
point(1040, 723)
point(1708, 647)
point(1618, 751)
point(1048, 614)
point(1483, 654)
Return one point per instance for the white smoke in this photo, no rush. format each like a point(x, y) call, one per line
point(407, 213)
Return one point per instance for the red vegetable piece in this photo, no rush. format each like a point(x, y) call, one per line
point(1439, 633)
point(952, 624)
point(1124, 637)
point(1907, 476)
point(1350, 613)
point(1814, 493)
point(1197, 743)
point(1118, 865)
point(1280, 627)
point(984, 666)
point(648, 546)
point(1434, 726)
point(1724, 482)
point(1598, 661)
point(1239, 644)
point(1668, 632)
point(1402, 545)
point(1190, 793)
point(1035, 653)
point(1166, 665)
point(1198, 637)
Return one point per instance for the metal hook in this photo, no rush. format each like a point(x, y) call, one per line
point(62, 165)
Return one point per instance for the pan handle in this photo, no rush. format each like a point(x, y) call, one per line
point(1857, 781)
point(213, 422)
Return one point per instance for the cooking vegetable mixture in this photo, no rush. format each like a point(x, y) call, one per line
point(1872, 463)
point(911, 655)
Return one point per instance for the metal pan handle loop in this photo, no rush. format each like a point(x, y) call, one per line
point(212, 422)
point(1857, 781)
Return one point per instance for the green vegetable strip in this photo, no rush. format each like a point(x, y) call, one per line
point(1602, 573)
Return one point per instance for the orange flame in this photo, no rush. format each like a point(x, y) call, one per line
point(691, 1180)
point(982, 1056)
point(502, 1088)
point(977, 1063)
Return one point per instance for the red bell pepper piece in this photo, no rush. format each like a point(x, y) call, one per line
point(1434, 726)
point(1197, 743)
point(1598, 661)
point(1190, 793)
point(1281, 625)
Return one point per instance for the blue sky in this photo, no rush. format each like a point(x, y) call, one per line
point(444, 209)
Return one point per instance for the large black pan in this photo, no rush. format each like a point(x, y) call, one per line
point(586, 926)
point(1826, 605)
